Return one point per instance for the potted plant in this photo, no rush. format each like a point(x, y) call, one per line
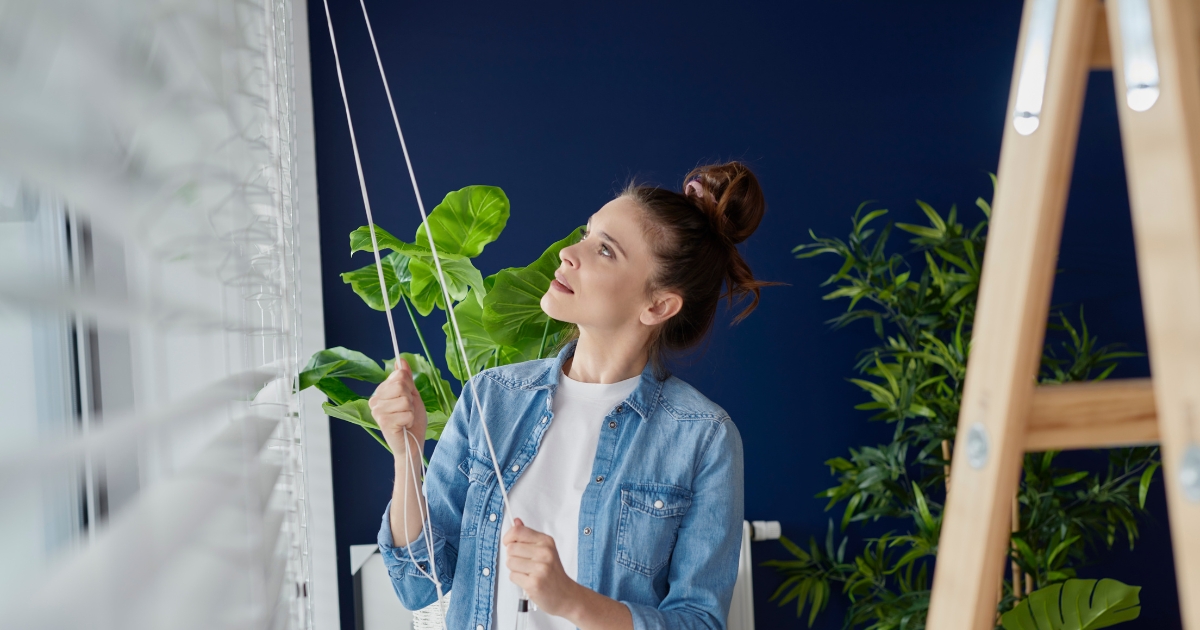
point(500, 316)
point(921, 307)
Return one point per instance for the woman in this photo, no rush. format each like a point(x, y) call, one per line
point(626, 482)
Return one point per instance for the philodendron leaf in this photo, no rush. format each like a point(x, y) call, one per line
point(340, 363)
point(396, 275)
point(478, 342)
point(1075, 605)
point(413, 268)
point(360, 240)
point(461, 276)
point(512, 310)
point(466, 221)
point(337, 391)
point(436, 423)
point(357, 412)
point(434, 390)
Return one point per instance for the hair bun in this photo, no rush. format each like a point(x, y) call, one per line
point(731, 197)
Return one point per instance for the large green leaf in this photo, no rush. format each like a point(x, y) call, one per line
point(360, 240)
point(337, 391)
point(1075, 605)
point(466, 221)
point(396, 274)
point(480, 346)
point(357, 412)
point(412, 268)
point(340, 362)
point(483, 351)
point(512, 310)
point(434, 390)
point(426, 291)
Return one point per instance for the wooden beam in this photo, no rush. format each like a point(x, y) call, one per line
point(1106, 414)
point(1010, 324)
point(1162, 163)
point(1101, 51)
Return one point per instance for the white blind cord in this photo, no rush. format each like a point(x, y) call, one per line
point(409, 468)
point(523, 604)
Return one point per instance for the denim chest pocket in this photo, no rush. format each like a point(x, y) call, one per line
point(479, 474)
point(650, 517)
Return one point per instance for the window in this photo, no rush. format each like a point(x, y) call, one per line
point(153, 468)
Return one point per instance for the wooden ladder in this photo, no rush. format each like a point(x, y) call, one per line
point(1153, 47)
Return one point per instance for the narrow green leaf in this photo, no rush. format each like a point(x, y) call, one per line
point(1144, 484)
point(1066, 480)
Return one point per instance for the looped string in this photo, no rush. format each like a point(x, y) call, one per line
point(410, 466)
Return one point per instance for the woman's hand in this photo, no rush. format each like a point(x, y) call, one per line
point(534, 565)
point(397, 406)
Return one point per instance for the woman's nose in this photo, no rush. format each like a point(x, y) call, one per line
point(567, 255)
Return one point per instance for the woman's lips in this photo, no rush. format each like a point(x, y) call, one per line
point(558, 284)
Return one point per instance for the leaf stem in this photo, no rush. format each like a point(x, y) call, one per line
point(378, 438)
point(443, 399)
point(454, 343)
point(546, 329)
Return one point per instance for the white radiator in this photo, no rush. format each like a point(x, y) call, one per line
point(378, 608)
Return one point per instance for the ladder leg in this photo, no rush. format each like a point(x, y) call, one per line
point(1010, 321)
point(1162, 160)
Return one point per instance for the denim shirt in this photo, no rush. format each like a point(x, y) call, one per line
point(660, 525)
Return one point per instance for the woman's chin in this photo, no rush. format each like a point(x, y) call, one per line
point(554, 310)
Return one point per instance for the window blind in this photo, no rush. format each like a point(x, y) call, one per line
point(152, 454)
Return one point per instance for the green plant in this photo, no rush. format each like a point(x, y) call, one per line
point(921, 306)
point(1075, 605)
point(499, 316)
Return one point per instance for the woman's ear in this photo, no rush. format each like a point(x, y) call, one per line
point(663, 307)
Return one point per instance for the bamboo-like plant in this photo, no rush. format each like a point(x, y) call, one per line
point(921, 306)
point(499, 316)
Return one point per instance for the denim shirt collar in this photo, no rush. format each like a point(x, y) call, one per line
point(642, 400)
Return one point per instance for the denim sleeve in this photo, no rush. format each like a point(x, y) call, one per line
point(705, 560)
point(445, 494)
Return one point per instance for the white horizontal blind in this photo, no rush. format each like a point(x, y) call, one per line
point(151, 460)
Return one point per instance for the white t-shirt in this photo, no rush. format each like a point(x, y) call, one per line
point(547, 496)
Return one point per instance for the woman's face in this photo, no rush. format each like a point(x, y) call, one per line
point(601, 284)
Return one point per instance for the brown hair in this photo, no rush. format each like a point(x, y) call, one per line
point(694, 235)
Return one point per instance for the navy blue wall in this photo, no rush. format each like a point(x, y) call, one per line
point(831, 103)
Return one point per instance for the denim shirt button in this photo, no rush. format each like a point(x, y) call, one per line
point(486, 571)
point(544, 418)
point(600, 479)
point(515, 468)
point(612, 425)
point(658, 504)
point(479, 627)
point(619, 409)
point(492, 517)
point(587, 531)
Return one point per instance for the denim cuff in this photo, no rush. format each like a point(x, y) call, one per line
point(400, 560)
point(645, 617)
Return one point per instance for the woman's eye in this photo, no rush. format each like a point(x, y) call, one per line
point(604, 251)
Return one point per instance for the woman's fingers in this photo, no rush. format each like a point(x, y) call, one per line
point(391, 406)
point(525, 566)
point(532, 551)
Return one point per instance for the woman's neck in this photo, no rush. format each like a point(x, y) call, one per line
point(606, 360)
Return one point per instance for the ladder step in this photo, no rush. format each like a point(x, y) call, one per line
point(1103, 414)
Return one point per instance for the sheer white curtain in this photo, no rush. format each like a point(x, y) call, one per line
point(152, 453)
